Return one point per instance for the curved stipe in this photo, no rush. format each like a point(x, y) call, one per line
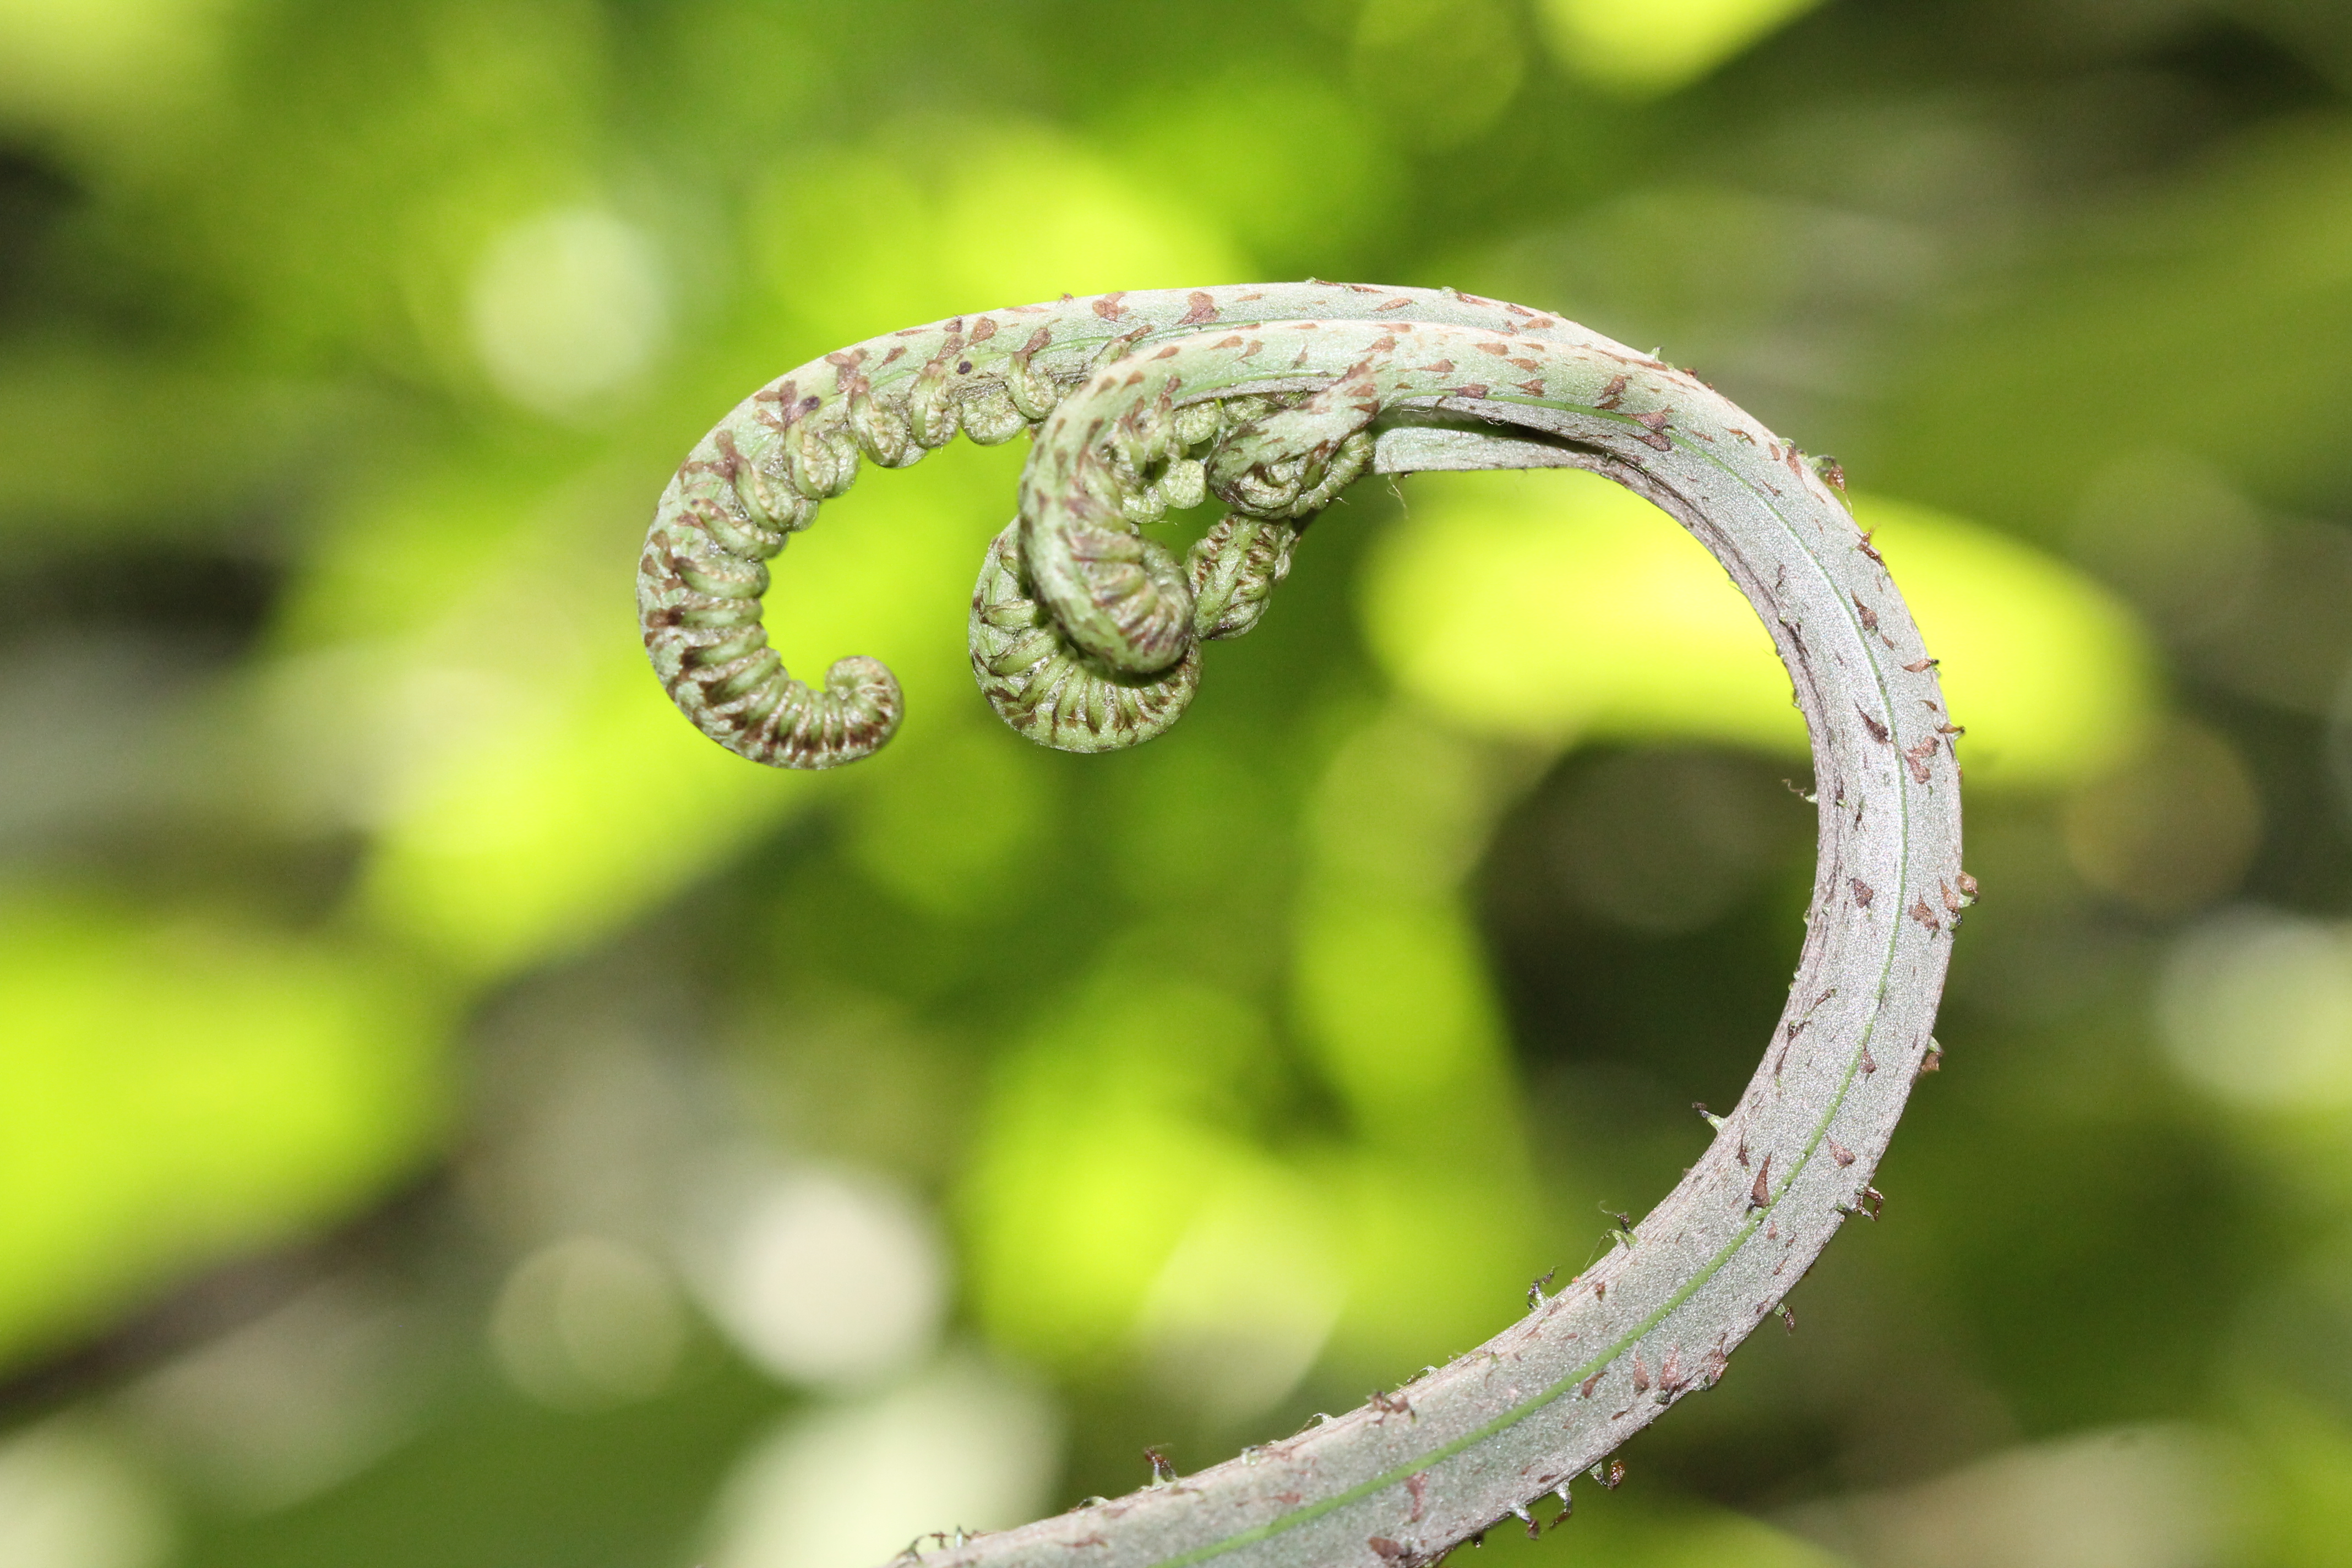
point(1085, 635)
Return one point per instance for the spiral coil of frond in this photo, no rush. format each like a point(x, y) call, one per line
point(1086, 634)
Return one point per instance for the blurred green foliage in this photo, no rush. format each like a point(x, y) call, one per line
point(450, 1113)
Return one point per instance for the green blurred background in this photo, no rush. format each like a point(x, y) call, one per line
point(452, 1114)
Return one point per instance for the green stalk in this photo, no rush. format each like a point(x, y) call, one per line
point(1088, 636)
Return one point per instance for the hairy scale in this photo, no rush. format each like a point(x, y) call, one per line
point(1086, 635)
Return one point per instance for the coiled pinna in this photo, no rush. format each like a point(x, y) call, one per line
point(1086, 635)
point(1056, 674)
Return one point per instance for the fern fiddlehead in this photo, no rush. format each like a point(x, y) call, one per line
point(761, 476)
point(1086, 635)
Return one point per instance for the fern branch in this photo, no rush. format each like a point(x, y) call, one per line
point(1085, 635)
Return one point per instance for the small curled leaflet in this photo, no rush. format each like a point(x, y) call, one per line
point(1086, 635)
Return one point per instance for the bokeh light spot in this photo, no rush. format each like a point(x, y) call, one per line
point(69, 1498)
point(2256, 1009)
point(967, 1447)
point(822, 1278)
point(568, 307)
point(588, 1322)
